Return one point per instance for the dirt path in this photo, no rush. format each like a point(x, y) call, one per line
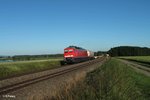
point(139, 68)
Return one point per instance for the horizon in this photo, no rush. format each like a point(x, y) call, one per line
point(62, 53)
point(47, 27)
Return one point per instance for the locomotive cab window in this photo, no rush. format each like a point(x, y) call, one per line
point(66, 51)
point(70, 50)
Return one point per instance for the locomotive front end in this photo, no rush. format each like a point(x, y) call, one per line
point(69, 55)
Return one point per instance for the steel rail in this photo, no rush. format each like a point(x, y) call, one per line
point(16, 86)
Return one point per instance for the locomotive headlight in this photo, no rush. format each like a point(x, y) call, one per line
point(69, 56)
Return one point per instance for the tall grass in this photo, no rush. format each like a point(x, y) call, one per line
point(112, 81)
point(16, 68)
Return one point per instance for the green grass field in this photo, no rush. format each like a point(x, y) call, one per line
point(114, 80)
point(144, 59)
point(21, 67)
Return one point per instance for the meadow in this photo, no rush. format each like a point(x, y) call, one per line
point(9, 69)
point(142, 59)
point(113, 80)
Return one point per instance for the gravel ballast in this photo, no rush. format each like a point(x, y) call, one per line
point(47, 87)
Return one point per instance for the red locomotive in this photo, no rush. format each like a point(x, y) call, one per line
point(73, 54)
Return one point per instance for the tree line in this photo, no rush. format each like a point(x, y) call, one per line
point(99, 53)
point(35, 57)
point(129, 51)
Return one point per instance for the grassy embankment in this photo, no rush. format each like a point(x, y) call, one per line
point(112, 81)
point(21, 67)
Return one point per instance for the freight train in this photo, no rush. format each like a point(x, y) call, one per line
point(74, 54)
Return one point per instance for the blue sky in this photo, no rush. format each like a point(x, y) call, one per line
point(48, 26)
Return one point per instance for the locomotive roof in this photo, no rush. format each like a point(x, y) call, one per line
point(75, 47)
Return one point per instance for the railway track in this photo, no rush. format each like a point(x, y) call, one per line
point(16, 86)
